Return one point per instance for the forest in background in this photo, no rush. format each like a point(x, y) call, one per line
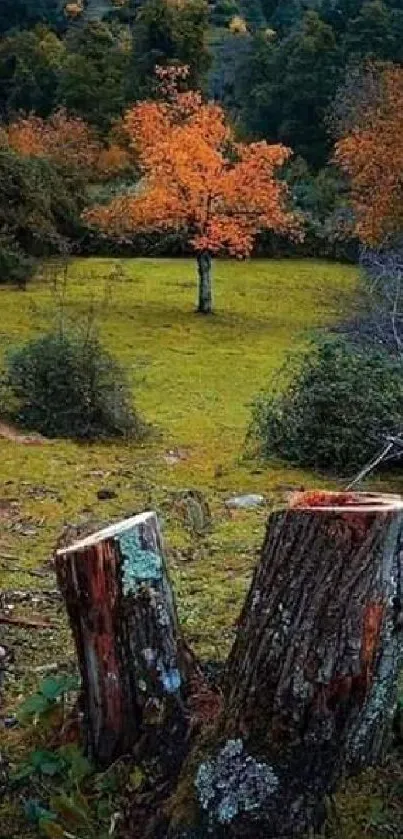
point(276, 67)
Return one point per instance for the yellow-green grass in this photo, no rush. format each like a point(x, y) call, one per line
point(193, 380)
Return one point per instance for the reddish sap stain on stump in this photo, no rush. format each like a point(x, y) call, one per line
point(320, 498)
point(103, 595)
point(341, 688)
point(372, 623)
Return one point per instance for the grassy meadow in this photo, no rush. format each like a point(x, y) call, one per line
point(193, 381)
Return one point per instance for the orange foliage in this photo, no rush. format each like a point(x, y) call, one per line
point(112, 160)
point(67, 141)
point(64, 139)
point(196, 177)
point(372, 156)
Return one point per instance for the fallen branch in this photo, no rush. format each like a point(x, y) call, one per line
point(386, 454)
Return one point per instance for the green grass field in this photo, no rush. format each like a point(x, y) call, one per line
point(193, 381)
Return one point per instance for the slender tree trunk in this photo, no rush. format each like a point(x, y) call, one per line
point(134, 665)
point(205, 304)
point(310, 685)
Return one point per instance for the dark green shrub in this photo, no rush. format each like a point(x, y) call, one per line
point(16, 266)
point(65, 384)
point(340, 404)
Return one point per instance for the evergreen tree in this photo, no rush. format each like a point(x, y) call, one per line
point(167, 32)
point(27, 13)
point(370, 34)
point(338, 13)
point(252, 12)
point(94, 76)
point(30, 63)
point(40, 211)
point(396, 20)
point(288, 87)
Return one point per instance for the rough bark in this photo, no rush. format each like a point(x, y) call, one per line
point(134, 665)
point(309, 688)
point(205, 304)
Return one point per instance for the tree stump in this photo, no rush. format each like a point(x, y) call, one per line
point(309, 689)
point(134, 664)
point(310, 684)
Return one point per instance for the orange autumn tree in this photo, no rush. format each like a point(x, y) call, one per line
point(64, 139)
point(68, 141)
point(196, 178)
point(371, 154)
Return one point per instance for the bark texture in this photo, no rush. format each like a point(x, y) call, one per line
point(134, 665)
point(309, 689)
point(205, 304)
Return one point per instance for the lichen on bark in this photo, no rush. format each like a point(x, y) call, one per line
point(139, 565)
point(233, 782)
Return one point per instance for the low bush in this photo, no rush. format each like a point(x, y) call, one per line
point(340, 404)
point(16, 266)
point(65, 384)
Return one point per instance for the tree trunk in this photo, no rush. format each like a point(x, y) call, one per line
point(134, 665)
point(205, 305)
point(309, 688)
point(310, 684)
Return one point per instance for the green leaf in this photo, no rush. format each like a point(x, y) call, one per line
point(32, 706)
point(79, 767)
point(103, 809)
point(53, 687)
point(108, 781)
point(46, 762)
point(23, 773)
point(34, 811)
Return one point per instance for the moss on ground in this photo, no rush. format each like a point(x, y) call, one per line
point(193, 380)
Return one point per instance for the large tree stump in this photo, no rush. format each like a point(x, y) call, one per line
point(309, 689)
point(310, 685)
point(134, 664)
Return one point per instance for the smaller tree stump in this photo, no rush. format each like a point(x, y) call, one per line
point(134, 665)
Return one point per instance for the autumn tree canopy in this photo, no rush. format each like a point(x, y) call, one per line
point(67, 141)
point(196, 177)
point(371, 154)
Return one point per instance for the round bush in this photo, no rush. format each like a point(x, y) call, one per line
point(341, 403)
point(65, 384)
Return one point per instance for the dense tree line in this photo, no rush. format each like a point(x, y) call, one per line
point(288, 82)
point(275, 66)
